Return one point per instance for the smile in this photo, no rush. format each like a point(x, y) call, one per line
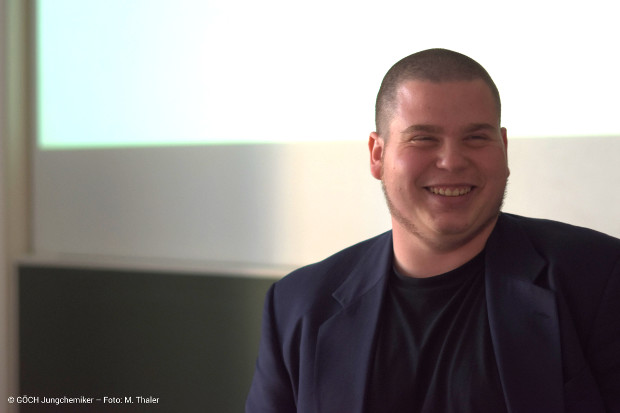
point(450, 191)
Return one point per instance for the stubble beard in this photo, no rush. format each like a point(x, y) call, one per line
point(444, 245)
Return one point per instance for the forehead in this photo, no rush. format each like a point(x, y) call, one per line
point(467, 101)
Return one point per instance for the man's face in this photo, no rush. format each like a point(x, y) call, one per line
point(444, 166)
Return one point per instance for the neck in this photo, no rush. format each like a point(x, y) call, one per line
point(422, 258)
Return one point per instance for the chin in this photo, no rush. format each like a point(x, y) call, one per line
point(458, 232)
point(452, 226)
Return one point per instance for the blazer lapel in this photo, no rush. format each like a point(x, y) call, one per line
point(346, 340)
point(524, 323)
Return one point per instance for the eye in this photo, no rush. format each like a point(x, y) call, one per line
point(477, 140)
point(423, 140)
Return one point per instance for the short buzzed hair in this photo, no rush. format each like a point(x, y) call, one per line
point(433, 65)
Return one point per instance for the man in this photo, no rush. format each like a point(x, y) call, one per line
point(459, 308)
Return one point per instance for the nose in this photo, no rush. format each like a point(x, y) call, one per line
point(452, 157)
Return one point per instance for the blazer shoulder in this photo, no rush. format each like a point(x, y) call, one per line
point(314, 284)
point(334, 269)
point(580, 263)
point(558, 238)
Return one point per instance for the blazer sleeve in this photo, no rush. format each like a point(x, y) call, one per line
point(271, 390)
point(603, 348)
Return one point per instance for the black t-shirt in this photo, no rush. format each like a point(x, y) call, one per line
point(434, 351)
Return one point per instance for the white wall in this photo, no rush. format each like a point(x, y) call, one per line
point(570, 180)
point(267, 204)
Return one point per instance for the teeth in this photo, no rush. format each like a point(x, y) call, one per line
point(450, 191)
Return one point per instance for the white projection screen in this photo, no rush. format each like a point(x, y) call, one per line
point(236, 131)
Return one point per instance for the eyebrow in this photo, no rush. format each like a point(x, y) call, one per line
point(479, 126)
point(438, 129)
point(422, 128)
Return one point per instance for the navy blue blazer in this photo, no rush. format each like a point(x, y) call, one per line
point(553, 300)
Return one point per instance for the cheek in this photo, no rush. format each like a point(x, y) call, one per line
point(409, 166)
point(501, 168)
point(498, 177)
point(494, 165)
point(404, 178)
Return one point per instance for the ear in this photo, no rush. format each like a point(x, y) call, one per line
point(505, 140)
point(376, 145)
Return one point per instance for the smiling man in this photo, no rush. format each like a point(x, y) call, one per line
point(443, 166)
point(460, 307)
